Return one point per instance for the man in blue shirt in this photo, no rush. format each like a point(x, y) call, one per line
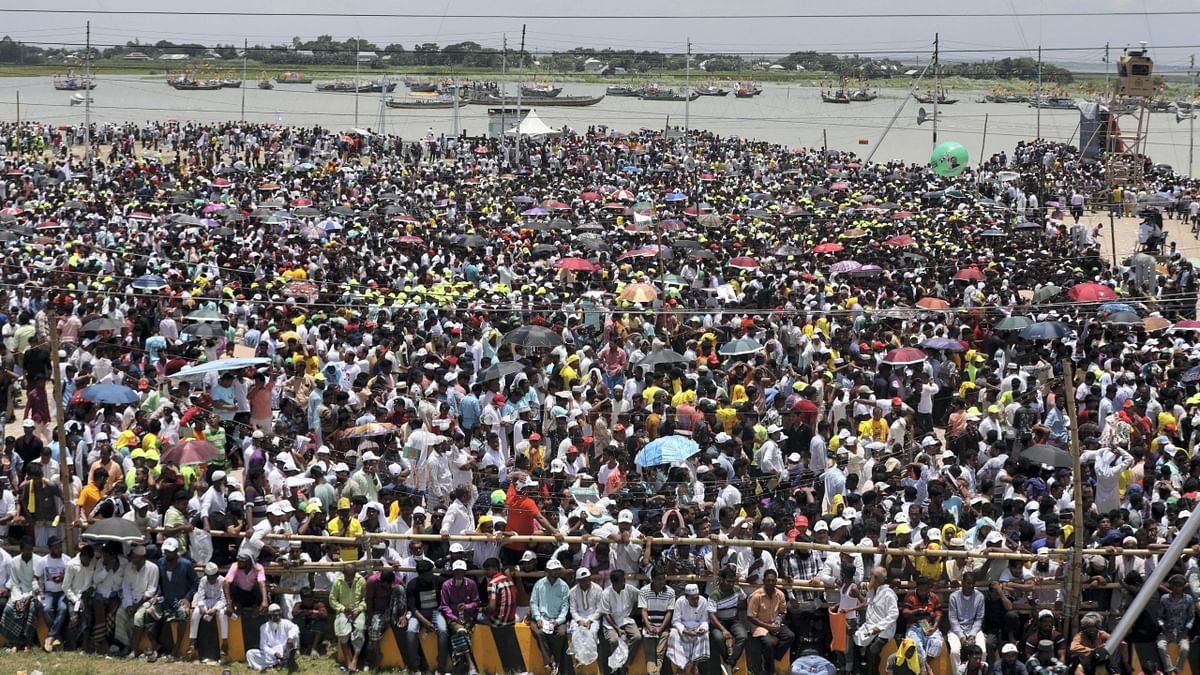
point(548, 606)
point(177, 582)
point(470, 411)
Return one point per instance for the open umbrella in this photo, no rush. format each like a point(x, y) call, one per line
point(638, 292)
point(1192, 375)
point(369, 430)
point(205, 315)
point(532, 337)
point(191, 451)
point(933, 303)
point(829, 247)
point(149, 282)
point(1045, 330)
point(1047, 454)
point(904, 356)
point(1046, 292)
point(1123, 319)
point(576, 265)
point(109, 394)
point(500, 371)
point(1091, 292)
point(220, 365)
point(1153, 324)
point(743, 263)
point(1012, 323)
point(741, 347)
point(666, 450)
point(969, 274)
point(1185, 325)
point(844, 266)
point(901, 240)
point(201, 331)
point(661, 357)
point(945, 344)
point(119, 530)
point(97, 325)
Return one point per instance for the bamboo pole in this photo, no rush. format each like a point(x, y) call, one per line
point(67, 517)
point(1075, 570)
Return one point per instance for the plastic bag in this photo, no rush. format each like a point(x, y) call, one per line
point(619, 655)
point(584, 645)
point(200, 545)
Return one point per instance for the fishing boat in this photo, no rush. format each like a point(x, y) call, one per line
point(747, 90)
point(540, 90)
point(863, 95)
point(421, 87)
point(929, 97)
point(1053, 103)
point(835, 96)
point(480, 98)
point(350, 86)
point(424, 102)
point(293, 77)
point(266, 84)
point(188, 84)
point(623, 90)
point(712, 90)
point(231, 84)
point(72, 83)
point(654, 93)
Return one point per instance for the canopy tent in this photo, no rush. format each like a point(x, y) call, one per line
point(533, 125)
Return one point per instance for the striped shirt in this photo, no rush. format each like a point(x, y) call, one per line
point(504, 591)
point(726, 604)
point(656, 604)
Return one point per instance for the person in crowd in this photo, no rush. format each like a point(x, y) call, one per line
point(278, 641)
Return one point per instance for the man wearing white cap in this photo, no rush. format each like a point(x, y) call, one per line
point(365, 481)
point(687, 646)
point(584, 601)
point(213, 499)
point(208, 604)
point(277, 642)
point(770, 456)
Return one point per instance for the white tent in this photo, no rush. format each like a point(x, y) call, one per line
point(532, 125)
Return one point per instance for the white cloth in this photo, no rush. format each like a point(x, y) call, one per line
point(585, 606)
point(880, 621)
point(77, 580)
point(684, 649)
point(272, 641)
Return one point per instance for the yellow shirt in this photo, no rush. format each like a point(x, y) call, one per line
point(727, 417)
point(876, 430)
point(354, 529)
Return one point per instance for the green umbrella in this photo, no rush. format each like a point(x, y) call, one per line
point(1012, 323)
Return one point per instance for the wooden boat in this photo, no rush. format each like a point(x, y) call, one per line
point(941, 97)
point(424, 102)
point(1053, 103)
point(74, 84)
point(266, 84)
point(540, 91)
point(623, 90)
point(747, 90)
point(293, 77)
point(656, 94)
point(559, 102)
point(231, 84)
point(834, 96)
point(863, 95)
point(421, 87)
point(184, 84)
point(711, 90)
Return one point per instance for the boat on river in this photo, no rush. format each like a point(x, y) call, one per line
point(653, 93)
point(480, 98)
point(350, 86)
point(540, 91)
point(71, 83)
point(623, 90)
point(712, 90)
point(293, 77)
point(929, 97)
point(424, 102)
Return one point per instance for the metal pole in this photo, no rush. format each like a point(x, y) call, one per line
point(1151, 585)
point(1039, 93)
point(64, 463)
point(1192, 115)
point(983, 145)
point(1105, 71)
point(687, 91)
point(824, 140)
point(899, 109)
point(937, 83)
point(1112, 234)
point(19, 107)
point(456, 110)
point(245, 49)
point(357, 49)
point(87, 107)
point(503, 93)
point(1074, 578)
point(520, 64)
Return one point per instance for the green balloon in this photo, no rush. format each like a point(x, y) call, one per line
point(949, 158)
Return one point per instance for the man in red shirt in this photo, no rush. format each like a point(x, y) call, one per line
point(523, 513)
point(501, 609)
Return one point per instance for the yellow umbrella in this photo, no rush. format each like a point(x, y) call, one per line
point(639, 292)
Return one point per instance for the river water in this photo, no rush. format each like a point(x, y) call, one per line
point(794, 116)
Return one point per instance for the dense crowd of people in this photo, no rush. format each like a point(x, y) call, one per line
point(794, 361)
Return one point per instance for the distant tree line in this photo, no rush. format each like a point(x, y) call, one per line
point(1023, 68)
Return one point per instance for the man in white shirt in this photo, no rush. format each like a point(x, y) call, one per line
point(584, 626)
point(770, 457)
point(138, 587)
point(277, 642)
point(458, 518)
point(879, 625)
point(49, 572)
point(209, 603)
point(21, 611)
point(617, 603)
point(966, 607)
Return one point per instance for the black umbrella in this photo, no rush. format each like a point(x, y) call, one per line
point(306, 211)
point(114, 529)
point(1047, 454)
point(501, 370)
point(544, 249)
point(532, 336)
point(224, 232)
point(341, 210)
point(103, 323)
point(201, 330)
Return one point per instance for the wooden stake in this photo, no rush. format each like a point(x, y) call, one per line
point(67, 518)
point(1075, 571)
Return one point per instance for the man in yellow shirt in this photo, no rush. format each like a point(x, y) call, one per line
point(91, 494)
point(345, 525)
point(874, 429)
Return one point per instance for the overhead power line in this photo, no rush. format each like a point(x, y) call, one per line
point(607, 17)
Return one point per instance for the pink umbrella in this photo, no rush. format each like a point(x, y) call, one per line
point(589, 196)
point(1186, 324)
point(191, 451)
point(1091, 292)
point(302, 201)
point(50, 225)
point(901, 215)
point(555, 205)
point(10, 211)
point(212, 208)
point(969, 274)
point(140, 215)
point(905, 356)
point(743, 263)
point(410, 239)
point(480, 150)
point(828, 247)
point(901, 240)
point(638, 253)
point(222, 182)
point(845, 266)
point(405, 218)
point(839, 186)
point(576, 265)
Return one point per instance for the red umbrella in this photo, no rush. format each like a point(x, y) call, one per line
point(556, 205)
point(589, 196)
point(191, 451)
point(410, 239)
point(1186, 324)
point(829, 247)
point(638, 253)
point(901, 215)
point(839, 186)
point(671, 224)
point(1091, 292)
point(615, 205)
point(222, 182)
point(743, 263)
point(10, 211)
point(480, 150)
point(50, 225)
point(971, 273)
point(576, 265)
point(933, 303)
point(302, 201)
point(405, 218)
point(901, 240)
point(622, 195)
point(905, 356)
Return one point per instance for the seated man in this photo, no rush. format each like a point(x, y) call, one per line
point(765, 610)
point(728, 640)
point(311, 615)
point(277, 641)
point(1088, 640)
point(548, 613)
point(208, 604)
point(922, 613)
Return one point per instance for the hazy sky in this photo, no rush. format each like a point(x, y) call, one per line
point(458, 20)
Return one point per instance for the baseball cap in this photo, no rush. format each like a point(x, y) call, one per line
point(553, 564)
point(171, 544)
point(28, 424)
point(691, 589)
point(211, 568)
point(581, 573)
point(1044, 613)
point(1009, 648)
point(625, 516)
point(530, 555)
point(459, 565)
point(343, 503)
point(370, 456)
point(456, 547)
point(218, 475)
point(236, 497)
point(903, 528)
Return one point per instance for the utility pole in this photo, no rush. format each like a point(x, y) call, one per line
point(983, 144)
point(456, 109)
point(937, 84)
point(245, 50)
point(1105, 72)
point(1039, 94)
point(357, 49)
point(687, 92)
point(381, 122)
point(503, 92)
point(1192, 115)
point(87, 110)
point(1074, 576)
point(18, 107)
point(520, 64)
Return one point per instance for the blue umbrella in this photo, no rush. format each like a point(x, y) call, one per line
point(675, 197)
point(666, 450)
point(149, 282)
point(1192, 375)
point(632, 169)
point(946, 344)
point(221, 364)
point(1045, 330)
point(109, 394)
point(1114, 307)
